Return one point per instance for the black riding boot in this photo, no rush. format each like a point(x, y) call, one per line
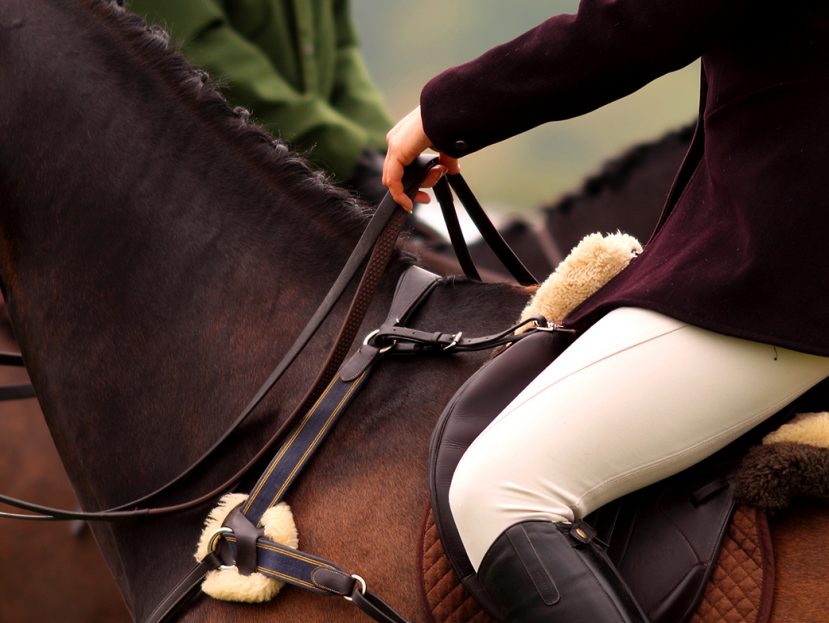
point(541, 572)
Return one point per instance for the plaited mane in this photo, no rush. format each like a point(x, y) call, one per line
point(282, 166)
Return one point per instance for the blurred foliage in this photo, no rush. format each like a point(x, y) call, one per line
point(407, 42)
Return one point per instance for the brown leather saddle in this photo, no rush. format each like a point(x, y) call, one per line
point(663, 539)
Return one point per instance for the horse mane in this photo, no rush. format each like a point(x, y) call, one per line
point(289, 169)
point(616, 172)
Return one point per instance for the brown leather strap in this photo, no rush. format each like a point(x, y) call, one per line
point(359, 306)
point(487, 230)
point(377, 230)
point(414, 286)
point(246, 535)
point(188, 588)
point(450, 217)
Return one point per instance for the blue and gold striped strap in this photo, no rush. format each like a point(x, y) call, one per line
point(311, 573)
point(300, 446)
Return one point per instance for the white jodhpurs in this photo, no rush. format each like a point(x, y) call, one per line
point(638, 397)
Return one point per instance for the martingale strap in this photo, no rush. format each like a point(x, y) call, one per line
point(298, 449)
point(295, 567)
point(384, 225)
point(279, 561)
point(414, 286)
point(319, 576)
point(404, 340)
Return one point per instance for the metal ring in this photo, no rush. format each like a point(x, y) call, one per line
point(214, 539)
point(382, 349)
point(362, 588)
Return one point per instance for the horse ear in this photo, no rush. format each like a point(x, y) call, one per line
point(591, 264)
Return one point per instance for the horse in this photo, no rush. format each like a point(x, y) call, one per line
point(25, 441)
point(158, 253)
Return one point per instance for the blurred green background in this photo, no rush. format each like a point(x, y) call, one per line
point(406, 42)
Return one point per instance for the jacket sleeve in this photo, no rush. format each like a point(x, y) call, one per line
point(567, 66)
point(201, 28)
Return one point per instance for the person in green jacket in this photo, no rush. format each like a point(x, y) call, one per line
point(296, 66)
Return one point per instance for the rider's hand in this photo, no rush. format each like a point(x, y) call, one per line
point(407, 141)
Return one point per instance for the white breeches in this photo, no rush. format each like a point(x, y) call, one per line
point(638, 397)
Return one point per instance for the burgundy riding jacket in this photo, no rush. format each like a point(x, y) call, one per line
point(741, 247)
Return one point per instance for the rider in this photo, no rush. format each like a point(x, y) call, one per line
point(297, 67)
point(715, 326)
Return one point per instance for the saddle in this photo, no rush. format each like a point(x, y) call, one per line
point(664, 539)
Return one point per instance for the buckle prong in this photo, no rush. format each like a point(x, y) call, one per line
point(455, 339)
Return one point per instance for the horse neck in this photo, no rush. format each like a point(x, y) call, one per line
point(156, 262)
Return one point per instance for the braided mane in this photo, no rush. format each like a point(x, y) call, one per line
point(151, 44)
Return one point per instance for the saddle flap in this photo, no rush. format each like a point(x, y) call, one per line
point(664, 539)
point(474, 406)
point(686, 515)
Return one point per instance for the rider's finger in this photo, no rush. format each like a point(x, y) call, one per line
point(400, 197)
point(393, 179)
point(422, 197)
point(451, 164)
point(432, 177)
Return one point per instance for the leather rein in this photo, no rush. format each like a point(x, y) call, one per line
point(379, 237)
point(335, 385)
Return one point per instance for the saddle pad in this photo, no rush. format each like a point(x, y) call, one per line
point(739, 590)
point(742, 584)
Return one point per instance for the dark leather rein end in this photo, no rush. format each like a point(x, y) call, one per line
point(413, 177)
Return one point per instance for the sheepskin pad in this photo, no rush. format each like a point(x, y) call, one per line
point(229, 584)
point(591, 264)
point(791, 463)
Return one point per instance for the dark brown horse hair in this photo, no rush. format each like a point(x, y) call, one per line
point(282, 165)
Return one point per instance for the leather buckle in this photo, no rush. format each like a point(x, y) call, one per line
point(455, 339)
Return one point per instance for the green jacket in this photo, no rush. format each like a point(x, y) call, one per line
point(293, 63)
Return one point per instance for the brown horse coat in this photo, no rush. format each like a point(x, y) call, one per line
point(743, 233)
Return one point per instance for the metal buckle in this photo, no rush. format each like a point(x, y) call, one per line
point(455, 339)
point(212, 544)
point(552, 327)
point(381, 349)
point(362, 586)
